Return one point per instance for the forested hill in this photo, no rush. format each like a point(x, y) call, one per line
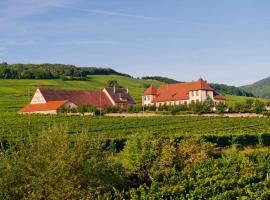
point(51, 71)
point(230, 90)
point(260, 88)
point(161, 79)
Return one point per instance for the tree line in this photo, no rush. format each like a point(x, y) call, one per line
point(51, 71)
point(161, 79)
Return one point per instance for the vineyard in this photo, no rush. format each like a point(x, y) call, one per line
point(220, 130)
point(99, 157)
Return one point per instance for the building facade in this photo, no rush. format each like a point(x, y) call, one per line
point(48, 100)
point(180, 93)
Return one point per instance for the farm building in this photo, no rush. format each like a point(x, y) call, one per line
point(180, 93)
point(48, 101)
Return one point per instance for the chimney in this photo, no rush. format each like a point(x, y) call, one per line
point(114, 89)
point(127, 90)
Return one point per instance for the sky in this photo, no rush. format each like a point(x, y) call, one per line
point(225, 41)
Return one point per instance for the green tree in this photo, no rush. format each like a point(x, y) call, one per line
point(54, 165)
point(221, 107)
point(112, 83)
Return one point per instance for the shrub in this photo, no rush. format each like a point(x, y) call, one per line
point(86, 108)
point(54, 166)
point(221, 108)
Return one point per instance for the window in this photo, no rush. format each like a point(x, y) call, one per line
point(197, 93)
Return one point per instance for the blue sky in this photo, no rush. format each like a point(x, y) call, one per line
point(226, 41)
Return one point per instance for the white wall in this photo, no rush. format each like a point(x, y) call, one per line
point(38, 98)
point(48, 112)
point(70, 105)
point(200, 95)
point(147, 100)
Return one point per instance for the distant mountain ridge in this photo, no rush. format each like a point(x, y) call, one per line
point(260, 88)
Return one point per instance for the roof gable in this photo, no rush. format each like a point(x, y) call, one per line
point(151, 90)
point(120, 95)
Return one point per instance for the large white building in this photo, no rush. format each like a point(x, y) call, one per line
point(180, 93)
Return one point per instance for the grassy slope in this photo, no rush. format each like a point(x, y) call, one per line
point(231, 100)
point(15, 93)
point(260, 88)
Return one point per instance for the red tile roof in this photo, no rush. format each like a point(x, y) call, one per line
point(51, 105)
point(218, 96)
point(180, 91)
point(201, 85)
point(151, 90)
point(76, 96)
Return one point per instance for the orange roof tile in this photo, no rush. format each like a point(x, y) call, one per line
point(151, 90)
point(180, 91)
point(201, 85)
point(218, 96)
point(51, 105)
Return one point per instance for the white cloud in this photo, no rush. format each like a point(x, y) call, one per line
point(120, 14)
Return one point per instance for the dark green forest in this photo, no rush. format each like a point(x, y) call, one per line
point(51, 71)
point(161, 79)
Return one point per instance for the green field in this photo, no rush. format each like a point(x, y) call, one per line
point(16, 93)
point(231, 100)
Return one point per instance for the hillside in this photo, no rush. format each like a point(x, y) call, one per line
point(15, 93)
point(230, 90)
point(260, 88)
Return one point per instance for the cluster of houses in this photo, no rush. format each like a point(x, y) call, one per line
point(49, 101)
